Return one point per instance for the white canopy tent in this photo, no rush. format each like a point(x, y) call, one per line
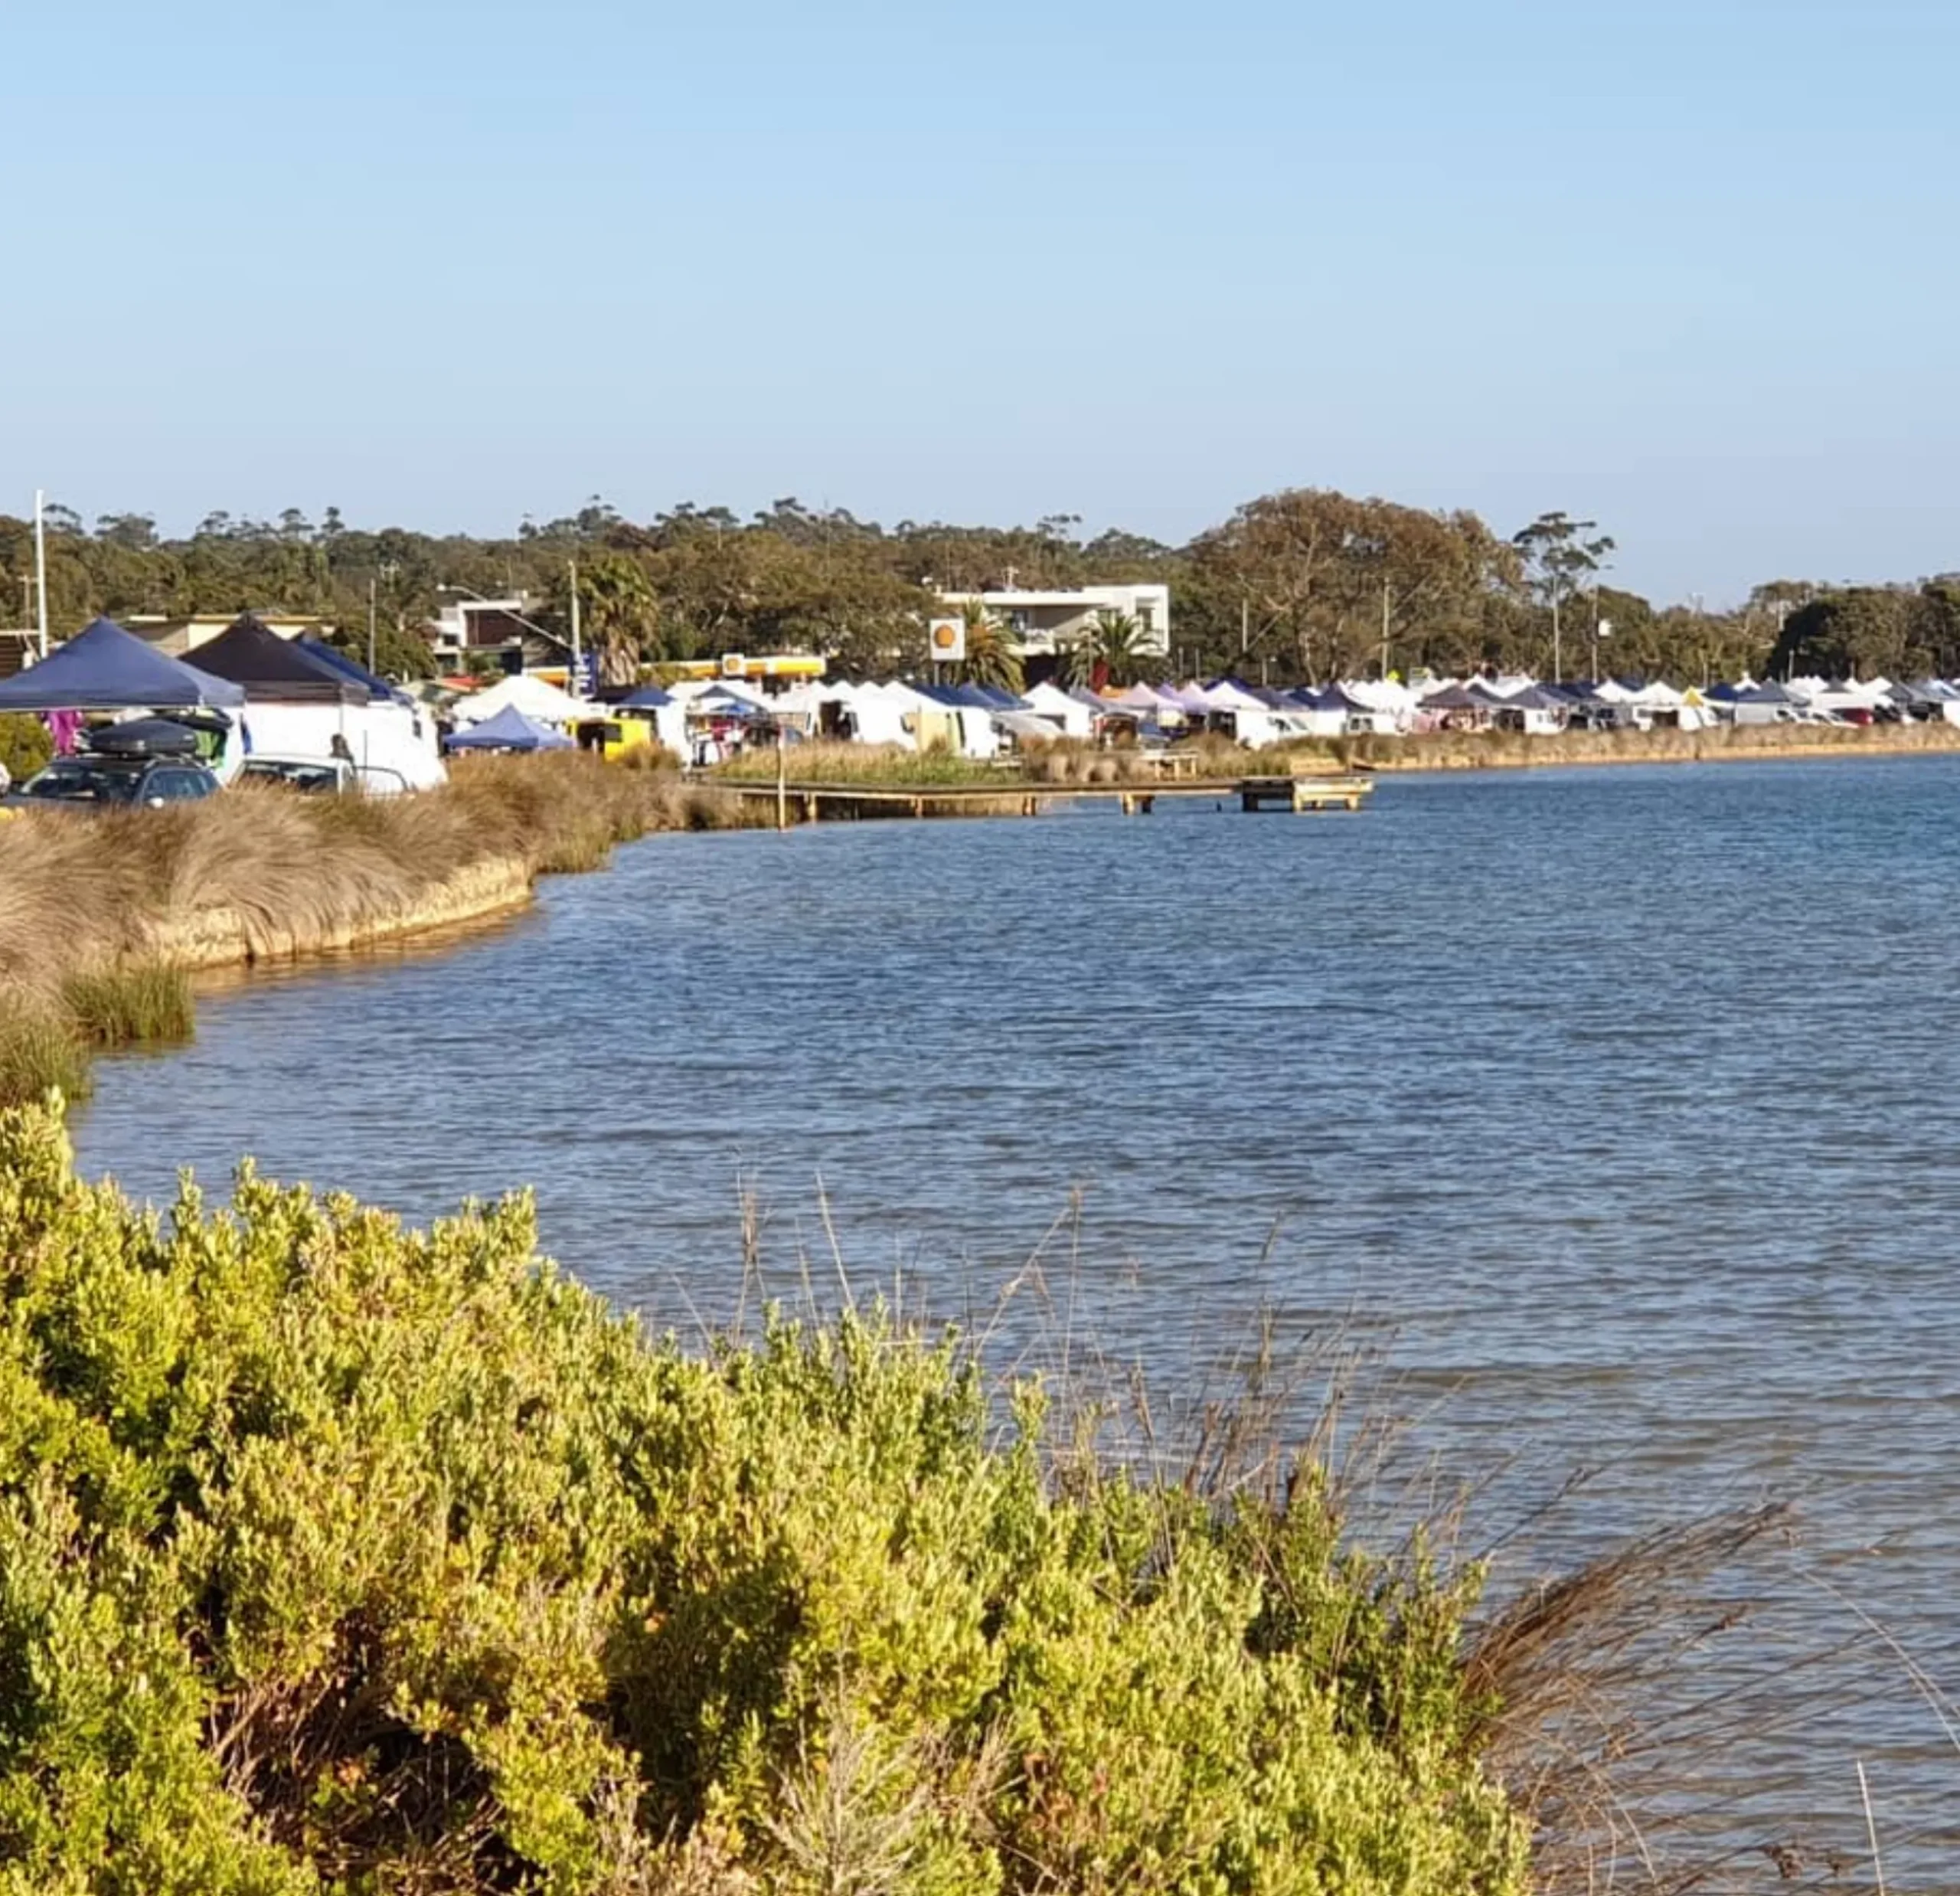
point(537, 698)
point(882, 712)
point(1070, 715)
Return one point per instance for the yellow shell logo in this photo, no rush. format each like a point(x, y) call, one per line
point(945, 637)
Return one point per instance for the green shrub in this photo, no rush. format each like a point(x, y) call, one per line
point(24, 745)
point(336, 1556)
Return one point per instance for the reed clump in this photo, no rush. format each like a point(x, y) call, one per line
point(39, 1053)
point(99, 914)
point(131, 1005)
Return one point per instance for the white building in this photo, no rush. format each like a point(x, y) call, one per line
point(1038, 621)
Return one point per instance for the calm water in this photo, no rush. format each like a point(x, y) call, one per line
point(1630, 1099)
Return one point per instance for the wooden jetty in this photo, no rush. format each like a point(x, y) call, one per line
point(1299, 793)
point(808, 802)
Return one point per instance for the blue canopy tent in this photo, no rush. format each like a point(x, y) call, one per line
point(106, 669)
point(647, 697)
point(380, 692)
point(510, 730)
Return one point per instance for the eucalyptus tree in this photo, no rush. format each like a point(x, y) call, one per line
point(1560, 554)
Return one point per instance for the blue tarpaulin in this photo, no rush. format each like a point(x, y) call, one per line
point(106, 669)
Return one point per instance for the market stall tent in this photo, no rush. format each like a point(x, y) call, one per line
point(106, 669)
point(537, 698)
point(301, 707)
point(510, 730)
point(663, 711)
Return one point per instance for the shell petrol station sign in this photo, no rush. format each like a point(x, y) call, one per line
point(946, 640)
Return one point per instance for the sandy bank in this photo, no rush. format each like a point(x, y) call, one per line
point(235, 936)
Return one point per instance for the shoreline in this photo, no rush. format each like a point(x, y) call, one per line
point(110, 916)
point(213, 940)
point(1769, 743)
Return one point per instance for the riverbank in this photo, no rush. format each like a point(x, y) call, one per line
point(104, 918)
point(1725, 743)
point(435, 1572)
point(1053, 768)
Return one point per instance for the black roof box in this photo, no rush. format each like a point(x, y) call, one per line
point(143, 737)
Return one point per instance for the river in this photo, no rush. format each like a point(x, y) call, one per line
point(1627, 1100)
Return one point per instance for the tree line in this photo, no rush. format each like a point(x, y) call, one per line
point(1300, 586)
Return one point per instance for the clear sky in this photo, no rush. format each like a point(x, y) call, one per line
point(1684, 266)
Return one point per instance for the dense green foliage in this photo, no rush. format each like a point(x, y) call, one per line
point(335, 1556)
point(24, 745)
point(1303, 583)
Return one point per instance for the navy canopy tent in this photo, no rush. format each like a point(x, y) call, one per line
point(106, 669)
point(647, 697)
point(510, 730)
point(379, 691)
point(273, 670)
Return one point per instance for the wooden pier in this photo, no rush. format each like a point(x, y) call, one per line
point(1299, 793)
point(808, 802)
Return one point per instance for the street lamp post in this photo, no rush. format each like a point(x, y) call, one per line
point(40, 570)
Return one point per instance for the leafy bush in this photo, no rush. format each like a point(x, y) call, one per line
point(24, 745)
point(337, 1556)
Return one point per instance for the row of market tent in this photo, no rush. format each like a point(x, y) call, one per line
point(304, 698)
point(705, 721)
point(266, 696)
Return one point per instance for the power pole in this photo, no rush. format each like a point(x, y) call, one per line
point(1384, 631)
point(575, 626)
point(40, 569)
point(372, 582)
point(1558, 654)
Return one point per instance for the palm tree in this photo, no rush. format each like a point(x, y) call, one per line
point(991, 659)
point(618, 612)
point(1112, 644)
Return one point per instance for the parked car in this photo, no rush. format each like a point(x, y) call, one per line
point(143, 763)
point(324, 776)
point(91, 780)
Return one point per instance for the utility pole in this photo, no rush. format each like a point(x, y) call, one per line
point(1245, 626)
point(1558, 654)
point(1384, 631)
point(575, 626)
point(372, 581)
point(40, 569)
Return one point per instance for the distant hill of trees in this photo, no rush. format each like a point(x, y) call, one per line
point(1304, 584)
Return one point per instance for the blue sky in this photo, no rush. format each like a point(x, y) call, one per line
point(1685, 269)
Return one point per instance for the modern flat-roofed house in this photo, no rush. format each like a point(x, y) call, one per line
point(470, 628)
point(1040, 621)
